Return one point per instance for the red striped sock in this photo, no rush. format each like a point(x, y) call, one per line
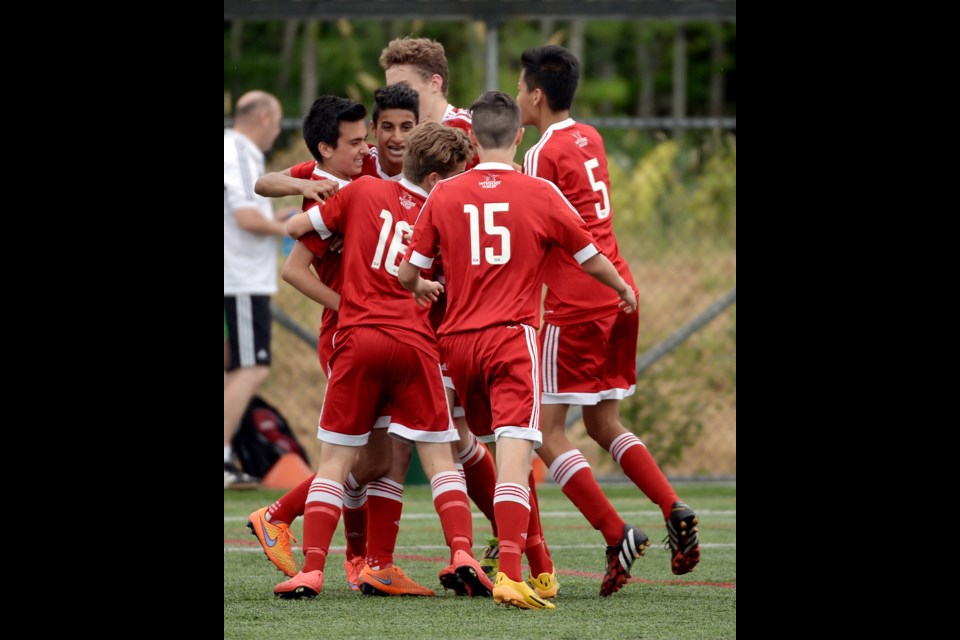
point(632, 456)
point(537, 553)
point(385, 505)
point(512, 504)
point(481, 478)
point(573, 474)
point(321, 515)
point(452, 505)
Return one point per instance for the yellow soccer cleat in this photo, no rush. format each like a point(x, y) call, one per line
point(545, 585)
point(517, 594)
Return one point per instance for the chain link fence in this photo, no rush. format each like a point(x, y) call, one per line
point(682, 254)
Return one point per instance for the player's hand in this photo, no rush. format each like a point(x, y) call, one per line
point(336, 243)
point(406, 236)
point(427, 291)
point(318, 190)
point(628, 300)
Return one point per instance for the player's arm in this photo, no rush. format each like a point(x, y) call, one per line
point(277, 184)
point(423, 290)
point(297, 272)
point(603, 270)
point(299, 224)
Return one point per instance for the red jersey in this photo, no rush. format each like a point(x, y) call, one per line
point(493, 226)
point(463, 120)
point(373, 215)
point(371, 165)
point(326, 264)
point(571, 155)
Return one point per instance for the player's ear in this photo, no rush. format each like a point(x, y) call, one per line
point(432, 179)
point(519, 139)
point(325, 150)
point(473, 140)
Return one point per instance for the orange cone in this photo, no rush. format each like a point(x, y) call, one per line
point(286, 473)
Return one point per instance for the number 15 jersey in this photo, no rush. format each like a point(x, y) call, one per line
point(494, 226)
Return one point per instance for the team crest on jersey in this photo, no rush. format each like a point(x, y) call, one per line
point(489, 181)
point(406, 201)
point(580, 139)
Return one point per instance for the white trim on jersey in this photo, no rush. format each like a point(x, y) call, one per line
point(520, 433)
point(409, 186)
point(420, 260)
point(588, 399)
point(316, 219)
point(342, 438)
point(317, 171)
point(586, 253)
point(418, 435)
point(531, 159)
point(534, 350)
point(551, 341)
point(456, 113)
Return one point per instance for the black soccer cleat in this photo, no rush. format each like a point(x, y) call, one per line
point(620, 558)
point(682, 538)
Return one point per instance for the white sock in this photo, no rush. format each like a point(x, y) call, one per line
point(227, 453)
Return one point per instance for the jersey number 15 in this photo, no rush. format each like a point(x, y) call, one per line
point(489, 208)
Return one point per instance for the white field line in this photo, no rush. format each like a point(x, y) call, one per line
point(432, 515)
point(438, 547)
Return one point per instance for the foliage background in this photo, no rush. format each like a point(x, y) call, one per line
point(674, 196)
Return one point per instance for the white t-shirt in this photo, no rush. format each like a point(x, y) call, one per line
point(249, 259)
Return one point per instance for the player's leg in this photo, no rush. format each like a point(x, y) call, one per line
point(574, 360)
point(616, 381)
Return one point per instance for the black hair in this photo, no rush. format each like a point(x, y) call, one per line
point(553, 70)
point(396, 96)
point(322, 123)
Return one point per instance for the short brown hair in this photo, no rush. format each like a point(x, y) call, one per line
point(423, 53)
point(496, 120)
point(434, 147)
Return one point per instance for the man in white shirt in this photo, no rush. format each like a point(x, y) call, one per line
point(249, 263)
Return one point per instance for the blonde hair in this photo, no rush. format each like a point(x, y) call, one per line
point(424, 54)
point(434, 147)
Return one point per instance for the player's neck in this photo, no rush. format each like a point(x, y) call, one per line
point(550, 118)
point(388, 167)
point(436, 114)
point(503, 156)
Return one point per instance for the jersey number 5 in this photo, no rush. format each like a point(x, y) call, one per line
point(392, 258)
point(604, 211)
point(489, 208)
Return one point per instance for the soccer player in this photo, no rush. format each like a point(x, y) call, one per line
point(396, 110)
point(493, 226)
point(386, 352)
point(335, 132)
point(420, 63)
point(588, 346)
